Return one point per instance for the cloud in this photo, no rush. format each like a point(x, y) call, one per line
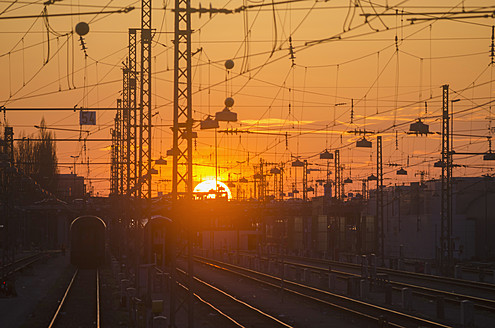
point(274, 122)
point(389, 118)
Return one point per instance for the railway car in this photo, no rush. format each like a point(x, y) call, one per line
point(158, 240)
point(87, 240)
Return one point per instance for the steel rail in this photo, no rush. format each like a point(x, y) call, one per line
point(371, 307)
point(66, 294)
point(482, 303)
point(97, 298)
point(233, 298)
point(442, 279)
point(62, 301)
point(15, 266)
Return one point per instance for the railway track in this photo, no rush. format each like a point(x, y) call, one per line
point(357, 308)
point(237, 313)
point(8, 272)
point(80, 304)
point(419, 286)
point(479, 286)
point(20, 264)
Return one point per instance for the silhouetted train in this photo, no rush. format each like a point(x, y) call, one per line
point(87, 239)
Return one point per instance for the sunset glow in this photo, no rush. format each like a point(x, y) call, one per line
point(356, 76)
point(208, 186)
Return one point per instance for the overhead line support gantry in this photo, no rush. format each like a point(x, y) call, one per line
point(182, 149)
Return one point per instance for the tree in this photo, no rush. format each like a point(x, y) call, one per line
point(37, 157)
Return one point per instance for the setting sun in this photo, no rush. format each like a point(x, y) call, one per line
point(207, 188)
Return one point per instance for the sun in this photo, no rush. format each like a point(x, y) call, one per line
point(208, 187)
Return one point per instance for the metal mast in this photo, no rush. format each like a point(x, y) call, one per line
point(338, 183)
point(120, 149)
point(144, 167)
point(281, 184)
point(125, 156)
point(305, 180)
point(7, 233)
point(182, 176)
point(379, 200)
point(131, 135)
point(446, 214)
point(113, 161)
point(115, 169)
point(183, 121)
point(262, 191)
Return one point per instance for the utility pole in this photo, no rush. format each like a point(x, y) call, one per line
point(446, 252)
point(125, 156)
point(131, 131)
point(338, 183)
point(275, 185)
point(113, 161)
point(182, 177)
point(281, 184)
point(183, 120)
point(305, 180)
point(144, 166)
point(116, 157)
point(379, 231)
point(7, 232)
point(262, 187)
point(119, 124)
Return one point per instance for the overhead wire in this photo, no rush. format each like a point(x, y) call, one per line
point(308, 93)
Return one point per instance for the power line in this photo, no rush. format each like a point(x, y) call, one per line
point(119, 11)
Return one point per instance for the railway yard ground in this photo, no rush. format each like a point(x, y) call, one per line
point(40, 288)
point(285, 307)
point(228, 295)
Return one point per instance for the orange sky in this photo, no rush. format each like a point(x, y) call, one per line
point(389, 83)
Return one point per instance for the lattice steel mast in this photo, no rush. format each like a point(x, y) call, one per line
point(130, 130)
point(120, 149)
point(338, 183)
point(182, 176)
point(144, 164)
point(305, 180)
point(114, 159)
point(379, 230)
point(124, 154)
point(446, 255)
point(183, 121)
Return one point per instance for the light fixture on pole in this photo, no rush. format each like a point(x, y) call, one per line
point(161, 161)
point(326, 155)
point(363, 143)
point(209, 123)
point(226, 115)
point(419, 128)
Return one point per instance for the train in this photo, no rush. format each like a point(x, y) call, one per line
point(87, 242)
